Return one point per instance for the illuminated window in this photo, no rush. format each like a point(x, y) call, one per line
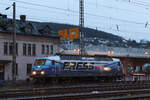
point(39, 62)
point(53, 62)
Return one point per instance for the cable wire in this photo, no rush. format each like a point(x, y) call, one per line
point(123, 20)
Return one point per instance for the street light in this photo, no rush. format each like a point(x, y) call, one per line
point(14, 41)
point(110, 52)
point(146, 53)
point(77, 50)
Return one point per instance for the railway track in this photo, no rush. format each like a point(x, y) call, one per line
point(77, 92)
point(113, 95)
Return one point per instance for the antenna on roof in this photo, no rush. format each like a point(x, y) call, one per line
point(146, 24)
point(68, 7)
point(117, 27)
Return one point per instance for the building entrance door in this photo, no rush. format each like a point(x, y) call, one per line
point(1, 72)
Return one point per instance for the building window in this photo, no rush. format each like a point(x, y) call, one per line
point(16, 48)
point(29, 68)
point(10, 48)
point(47, 49)
point(16, 69)
point(43, 49)
point(24, 49)
point(33, 49)
point(29, 49)
point(5, 48)
point(52, 49)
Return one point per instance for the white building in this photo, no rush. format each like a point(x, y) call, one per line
point(33, 40)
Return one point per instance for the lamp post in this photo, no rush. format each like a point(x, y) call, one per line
point(14, 42)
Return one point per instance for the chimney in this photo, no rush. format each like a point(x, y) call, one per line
point(4, 16)
point(23, 18)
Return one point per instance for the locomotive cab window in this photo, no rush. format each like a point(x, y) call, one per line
point(53, 62)
point(118, 64)
point(48, 62)
point(39, 62)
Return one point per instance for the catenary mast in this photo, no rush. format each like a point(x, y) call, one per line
point(81, 25)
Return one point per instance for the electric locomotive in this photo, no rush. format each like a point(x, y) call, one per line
point(70, 67)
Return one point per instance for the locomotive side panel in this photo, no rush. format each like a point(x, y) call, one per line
point(46, 67)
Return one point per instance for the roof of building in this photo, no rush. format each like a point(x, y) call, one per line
point(27, 27)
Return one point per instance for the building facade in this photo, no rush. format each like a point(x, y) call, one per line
point(33, 40)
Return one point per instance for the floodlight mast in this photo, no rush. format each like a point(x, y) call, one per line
point(81, 26)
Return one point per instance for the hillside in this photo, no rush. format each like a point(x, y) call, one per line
point(96, 37)
point(88, 31)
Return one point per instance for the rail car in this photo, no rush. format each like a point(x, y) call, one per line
point(70, 67)
point(146, 68)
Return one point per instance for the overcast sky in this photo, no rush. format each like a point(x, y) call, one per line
point(126, 18)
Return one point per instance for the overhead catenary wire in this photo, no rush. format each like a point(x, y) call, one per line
point(68, 8)
point(99, 16)
point(89, 14)
point(35, 18)
point(140, 3)
point(111, 7)
point(35, 9)
point(114, 29)
point(39, 19)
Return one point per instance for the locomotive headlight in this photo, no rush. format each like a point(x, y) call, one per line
point(34, 72)
point(107, 68)
point(42, 72)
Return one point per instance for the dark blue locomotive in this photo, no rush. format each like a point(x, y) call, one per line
point(77, 67)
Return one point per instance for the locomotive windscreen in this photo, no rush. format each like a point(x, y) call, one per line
point(39, 62)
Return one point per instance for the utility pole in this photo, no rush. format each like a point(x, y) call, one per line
point(14, 43)
point(81, 25)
